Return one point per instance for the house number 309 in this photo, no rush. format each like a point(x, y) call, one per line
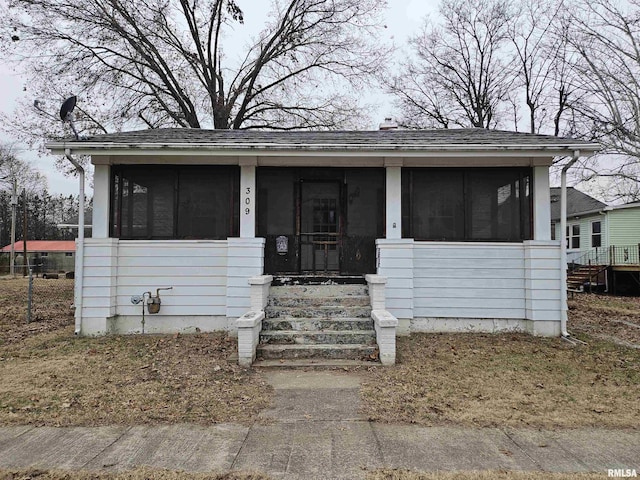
point(247, 201)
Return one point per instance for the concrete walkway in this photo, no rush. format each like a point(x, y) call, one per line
point(314, 430)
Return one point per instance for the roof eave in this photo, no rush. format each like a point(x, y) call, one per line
point(583, 214)
point(91, 148)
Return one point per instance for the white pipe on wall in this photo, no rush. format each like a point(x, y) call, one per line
point(79, 272)
point(563, 243)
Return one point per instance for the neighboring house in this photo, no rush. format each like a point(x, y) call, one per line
point(603, 242)
point(585, 221)
point(458, 221)
point(44, 255)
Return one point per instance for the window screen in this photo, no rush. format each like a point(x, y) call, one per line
point(151, 201)
point(492, 204)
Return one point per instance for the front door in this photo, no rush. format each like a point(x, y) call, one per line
point(320, 220)
point(320, 226)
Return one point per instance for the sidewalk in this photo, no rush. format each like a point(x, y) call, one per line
point(314, 431)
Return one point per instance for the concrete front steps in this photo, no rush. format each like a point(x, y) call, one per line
point(316, 324)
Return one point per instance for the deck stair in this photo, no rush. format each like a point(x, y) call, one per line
point(318, 322)
point(577, 277)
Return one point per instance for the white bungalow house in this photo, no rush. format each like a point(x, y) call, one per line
point(456, 222)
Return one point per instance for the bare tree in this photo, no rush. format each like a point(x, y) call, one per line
point(14, 169)
point(458, 73)
point(604, 37)
point(167, 63)
point(540, 62)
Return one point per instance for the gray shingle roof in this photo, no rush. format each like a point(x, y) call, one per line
point(578, 203)
point(327, 139)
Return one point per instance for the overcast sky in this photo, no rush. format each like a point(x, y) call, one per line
point(403, 19)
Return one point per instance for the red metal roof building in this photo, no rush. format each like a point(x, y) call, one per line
point(43, 246)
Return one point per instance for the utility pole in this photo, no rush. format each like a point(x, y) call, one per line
point(25, 262)
point(14, 206)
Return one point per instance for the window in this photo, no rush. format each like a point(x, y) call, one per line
point(596, 234)
point(68, 254)
point(483, 204)
point(187, 202)
point(573, 236)
point(44, 254)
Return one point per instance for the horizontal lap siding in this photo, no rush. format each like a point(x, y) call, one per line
point(624, 226)
point(196, 270)
point(468, 280)
point(99, 277)
point(396, 263)
point(543, 285)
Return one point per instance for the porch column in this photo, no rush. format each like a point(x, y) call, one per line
point(248, 196)
point(394, 197)
point(542, 205)
point(100, 222)
point(543, 284)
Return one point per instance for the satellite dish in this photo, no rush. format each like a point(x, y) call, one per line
point(67, 108)
point(66, 113)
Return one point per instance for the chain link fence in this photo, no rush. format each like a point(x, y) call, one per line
point(32, 304)
point(49, 297)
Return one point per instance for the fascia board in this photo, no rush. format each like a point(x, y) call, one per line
point(383, 150)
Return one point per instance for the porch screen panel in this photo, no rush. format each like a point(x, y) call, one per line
point(148, 204)
point(156, 202)
point(204, 208)
point(494, 207)
point(490, 204)
point(276, 218)
point(437, 211)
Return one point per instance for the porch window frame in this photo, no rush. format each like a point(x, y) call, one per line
point(525, 209)
point(116, 201)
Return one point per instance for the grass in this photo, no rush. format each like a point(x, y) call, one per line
point(515, 379)
point(136, 474)
point(51, 377)
point(382, 474)
point(615, 319)
point(393, 474)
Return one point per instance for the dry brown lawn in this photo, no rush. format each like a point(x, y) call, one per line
point(516, 379)
point(137, 474)
point(51, 311)
point(392, 474)
point(384, 474)
point(50, 377)
point(615, 319)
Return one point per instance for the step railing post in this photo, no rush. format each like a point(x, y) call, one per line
point(250, 324)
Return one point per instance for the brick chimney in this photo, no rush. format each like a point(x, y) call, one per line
point(389, 124)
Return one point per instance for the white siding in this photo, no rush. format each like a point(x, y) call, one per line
point(395, 261)
point(197, 271)
point(543, 284)
point(468, 280)
point(99, 282)
point(245, 258)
